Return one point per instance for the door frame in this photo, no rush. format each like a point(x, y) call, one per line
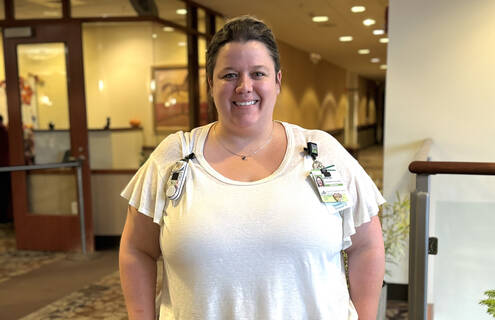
point(49, 232)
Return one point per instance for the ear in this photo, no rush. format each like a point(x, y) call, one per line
point(279, 81)
point(210, 83)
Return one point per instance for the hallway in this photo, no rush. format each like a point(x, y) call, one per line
point(31, 287)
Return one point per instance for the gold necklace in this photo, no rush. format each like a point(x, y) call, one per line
point(242, 156)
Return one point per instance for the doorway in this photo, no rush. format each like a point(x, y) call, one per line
point(47, 125)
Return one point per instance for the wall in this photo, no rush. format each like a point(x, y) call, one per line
point(314, 95)
point(117, 60)
point(440, 86)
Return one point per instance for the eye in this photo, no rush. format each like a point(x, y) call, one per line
point(229, 76)
point(258, 74)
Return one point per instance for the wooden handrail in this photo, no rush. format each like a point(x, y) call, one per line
point(451, 167)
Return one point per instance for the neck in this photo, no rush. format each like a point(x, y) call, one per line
point(242, 137)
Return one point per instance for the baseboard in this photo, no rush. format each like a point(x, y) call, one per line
point(397, 291)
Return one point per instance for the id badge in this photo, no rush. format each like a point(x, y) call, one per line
point(331, 188)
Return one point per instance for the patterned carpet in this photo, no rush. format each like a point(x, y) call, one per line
point(99, 300)
point(14, 263)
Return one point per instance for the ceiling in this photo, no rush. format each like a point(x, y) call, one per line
point(291, 21)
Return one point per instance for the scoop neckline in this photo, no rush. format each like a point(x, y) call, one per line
point(199, 148)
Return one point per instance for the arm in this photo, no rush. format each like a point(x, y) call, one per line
point(139, 250)
point(366, 268)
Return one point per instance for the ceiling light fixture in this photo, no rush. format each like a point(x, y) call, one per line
point(168, 29)
point(375, 60)
point(181, 44)
point(383, 40)
point(181, 11)
point(378, 32)
point(364, 51)
point(369, 22)
point(383, 67)
point(345, 38)
point(357, 9)
point(320, 19)
point(154, 36)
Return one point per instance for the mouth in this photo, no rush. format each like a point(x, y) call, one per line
point(245, 103)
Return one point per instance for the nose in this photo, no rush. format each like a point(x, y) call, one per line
point(244, 84)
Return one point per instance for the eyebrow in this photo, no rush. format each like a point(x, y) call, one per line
point(254, 67)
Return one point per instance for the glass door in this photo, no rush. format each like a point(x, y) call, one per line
point(47, 125)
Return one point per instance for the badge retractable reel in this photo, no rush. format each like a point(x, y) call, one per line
point(177, 178)
point(330, 186)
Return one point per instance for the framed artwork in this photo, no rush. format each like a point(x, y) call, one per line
point(171, 98)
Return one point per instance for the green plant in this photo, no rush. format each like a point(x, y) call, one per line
point(489, 302)
point(395, 225)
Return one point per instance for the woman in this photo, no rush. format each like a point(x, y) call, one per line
point(247, 235)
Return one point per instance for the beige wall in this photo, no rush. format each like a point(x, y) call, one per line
point(314, 95)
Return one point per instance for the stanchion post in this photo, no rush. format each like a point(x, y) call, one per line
point(418, 248)
point(80, 195)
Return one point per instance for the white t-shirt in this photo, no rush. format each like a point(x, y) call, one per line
point(268, 249)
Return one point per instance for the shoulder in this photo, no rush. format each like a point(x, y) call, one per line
point(172, 148)
point(327, 144)
point(330, 151)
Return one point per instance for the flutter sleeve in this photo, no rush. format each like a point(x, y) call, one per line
point(146, 191)
point(366, 201)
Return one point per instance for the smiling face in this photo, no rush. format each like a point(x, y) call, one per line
point(245, 85)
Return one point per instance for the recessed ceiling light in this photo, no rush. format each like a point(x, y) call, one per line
point(378, 32)
point(364, 51)
point(320, 19)
point(383, 67)
point(383, 40)
point(154, 36)
point(357, 9)
point(181, 44)
point(345, 38)
point(181, 11)
point(375, 60)
point(369, 22)
point(168, 29)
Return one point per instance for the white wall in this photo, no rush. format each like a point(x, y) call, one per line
point(440, 85)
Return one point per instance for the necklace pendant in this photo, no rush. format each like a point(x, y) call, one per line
point(243, 157)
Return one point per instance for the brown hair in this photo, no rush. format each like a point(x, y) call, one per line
point(241, 29)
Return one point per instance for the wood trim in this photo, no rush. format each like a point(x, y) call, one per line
point(9, 10)
point(17, 23)
point(113, 171)
point(66, 10)
point(78, 120)
point(210, 30)
point(61, 171)
point(208, 10)
point(210, 25)
point(193, 66)
point(451, 167)
point(92, 130)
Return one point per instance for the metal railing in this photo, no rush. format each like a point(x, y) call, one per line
point(419, 227)
point(80, 193)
